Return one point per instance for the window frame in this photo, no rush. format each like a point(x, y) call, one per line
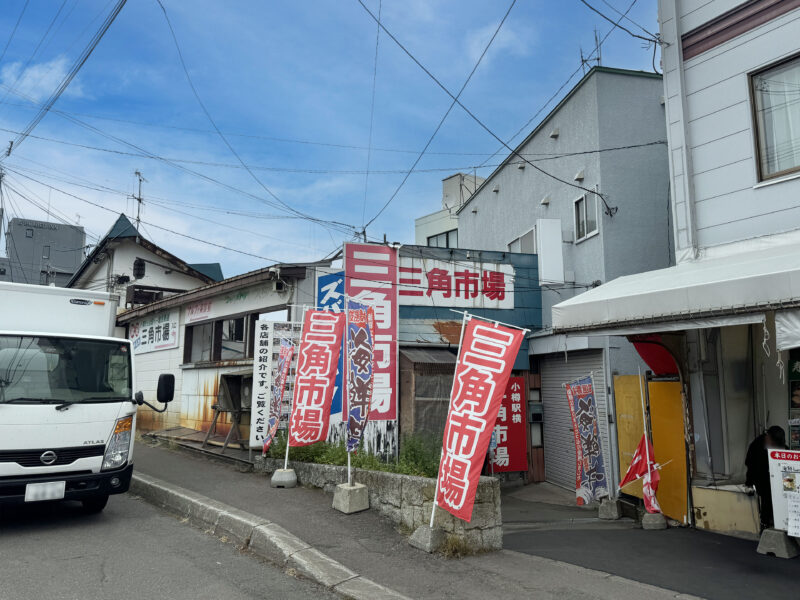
point(760, 175)
point(518, 240)
point(249, 331)
point(448, 235)
point(587, 234)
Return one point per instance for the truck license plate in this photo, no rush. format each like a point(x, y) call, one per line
point(52, 490)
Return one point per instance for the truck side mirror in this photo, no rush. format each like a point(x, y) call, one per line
point(166, 388)
point(139, 398)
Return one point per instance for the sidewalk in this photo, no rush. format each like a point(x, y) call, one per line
point(369, 545)
point(691, 561)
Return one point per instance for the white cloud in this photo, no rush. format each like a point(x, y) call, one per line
point(40, 80)
point(509, 40)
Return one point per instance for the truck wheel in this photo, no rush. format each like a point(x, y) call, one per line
point(94, 505)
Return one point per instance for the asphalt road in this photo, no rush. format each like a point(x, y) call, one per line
point(131, 550)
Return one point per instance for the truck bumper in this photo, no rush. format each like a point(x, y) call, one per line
point(79, 486)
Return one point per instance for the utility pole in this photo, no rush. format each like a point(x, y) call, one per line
point(139, 200)
point(598, 47)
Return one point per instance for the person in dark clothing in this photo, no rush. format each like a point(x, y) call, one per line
point(757, 463)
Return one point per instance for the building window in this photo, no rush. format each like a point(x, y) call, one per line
point(776, 99)
point(585, 217)
point(29, 233)
point(232, 342)
point(200, 341)
point(46, 252)
point(2, 270)
point(526, 243)
point(448, 239)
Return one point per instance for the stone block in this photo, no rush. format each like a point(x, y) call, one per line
point(412, 493)
point(488, 490)
point(610, 509)
point(351, 499)
point(427, 538)
point(492, 539)
point(237, 525)
point(484, 514)
point(283, 478)
point(273, 543)
point(319, 567)
point(205, 514)
point(654, 521)
point(777, 543)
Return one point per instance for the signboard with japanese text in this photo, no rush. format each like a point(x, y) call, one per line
point(319, 351)
point(330, 296)
point(156, 332)
point(784, 477)
point(371, 278)
point(269, 335)
point(485, 360)
point(590, 474)
point(278, 391)
point(429, 282)
point(256, 298)
point(360, 365)
point(511, 452)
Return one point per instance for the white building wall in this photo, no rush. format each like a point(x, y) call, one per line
point(717, 197)
point(434, 224)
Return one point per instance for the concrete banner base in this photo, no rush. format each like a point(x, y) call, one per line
point(283, 478)
point(350, 499)
point(427, 538)
point(777, 543)
point(654, 521)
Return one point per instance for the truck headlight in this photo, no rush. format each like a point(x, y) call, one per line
point(119, 445)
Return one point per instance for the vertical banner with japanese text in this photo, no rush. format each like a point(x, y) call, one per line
point(590, 473)
point(262, 376)
point(784, 475)
point(278, 389)
point(320, 346)
point(511, 453)
point(371, 277)
point(360, 367)
point(330, 296)
point(485, 360)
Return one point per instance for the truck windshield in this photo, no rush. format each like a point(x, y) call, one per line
point(54, 369)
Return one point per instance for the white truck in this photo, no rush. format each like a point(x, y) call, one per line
point(67, 408)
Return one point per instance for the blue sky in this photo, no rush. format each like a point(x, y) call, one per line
point(270, 72)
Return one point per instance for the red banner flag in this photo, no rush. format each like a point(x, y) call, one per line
point(278, 389)
point(320, 346)
point(485, 360)
point(642, 468)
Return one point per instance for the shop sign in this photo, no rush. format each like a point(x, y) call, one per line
point(784, 475)
point(510, 450)
point(157, 332)
point(590, 474)
point(437, 283)
point(371, 278)
point(485, 360)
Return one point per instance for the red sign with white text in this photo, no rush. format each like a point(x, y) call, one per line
point(320, 346)
point(485, 360)
point(511, 453)
point(371, 278)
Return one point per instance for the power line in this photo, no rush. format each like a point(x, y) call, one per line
point(371, 114)
point(652, 39)
point(609, 210)
point(221, 135)
point(84, 56)
point(14, 31)
point(627, 18)
point(449, 109)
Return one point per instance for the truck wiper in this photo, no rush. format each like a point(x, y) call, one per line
point(65, 404)
point(28, 401)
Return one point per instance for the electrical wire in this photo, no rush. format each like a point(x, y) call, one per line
point(449, 109)
point(14, 31)
point(80, 61)
point(652, 39)
point(371, 114)
point(627, 18)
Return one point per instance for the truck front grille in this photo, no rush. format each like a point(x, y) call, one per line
point(64, 456)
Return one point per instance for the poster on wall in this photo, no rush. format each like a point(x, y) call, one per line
point(156, 332)
point(371, 278)
point(590, 474)
point(510, 451)
point(784, 478)
point(485, 359)
point(330, 296)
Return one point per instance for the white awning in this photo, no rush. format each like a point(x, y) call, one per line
point(787, 329)
point(742, 284)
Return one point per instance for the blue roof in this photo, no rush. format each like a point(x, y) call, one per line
point(212, 270)
point(123, 228)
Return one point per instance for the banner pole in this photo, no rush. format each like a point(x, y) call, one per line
point(644, 423)
point(450, 403)
point(346, 377)
point(349, 476)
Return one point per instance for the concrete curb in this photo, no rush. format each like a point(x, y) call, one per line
point(259, 536)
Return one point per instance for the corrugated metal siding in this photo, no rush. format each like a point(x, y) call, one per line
point(559, 444)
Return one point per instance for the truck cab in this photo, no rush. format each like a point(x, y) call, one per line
point(67, 407)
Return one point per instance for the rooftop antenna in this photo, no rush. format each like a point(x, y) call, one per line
point(139, 200)
point(598, 47)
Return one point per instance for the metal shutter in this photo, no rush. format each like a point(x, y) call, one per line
point(559, 444)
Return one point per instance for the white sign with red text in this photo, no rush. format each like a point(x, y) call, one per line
point(155, 332)
point(428, 282)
